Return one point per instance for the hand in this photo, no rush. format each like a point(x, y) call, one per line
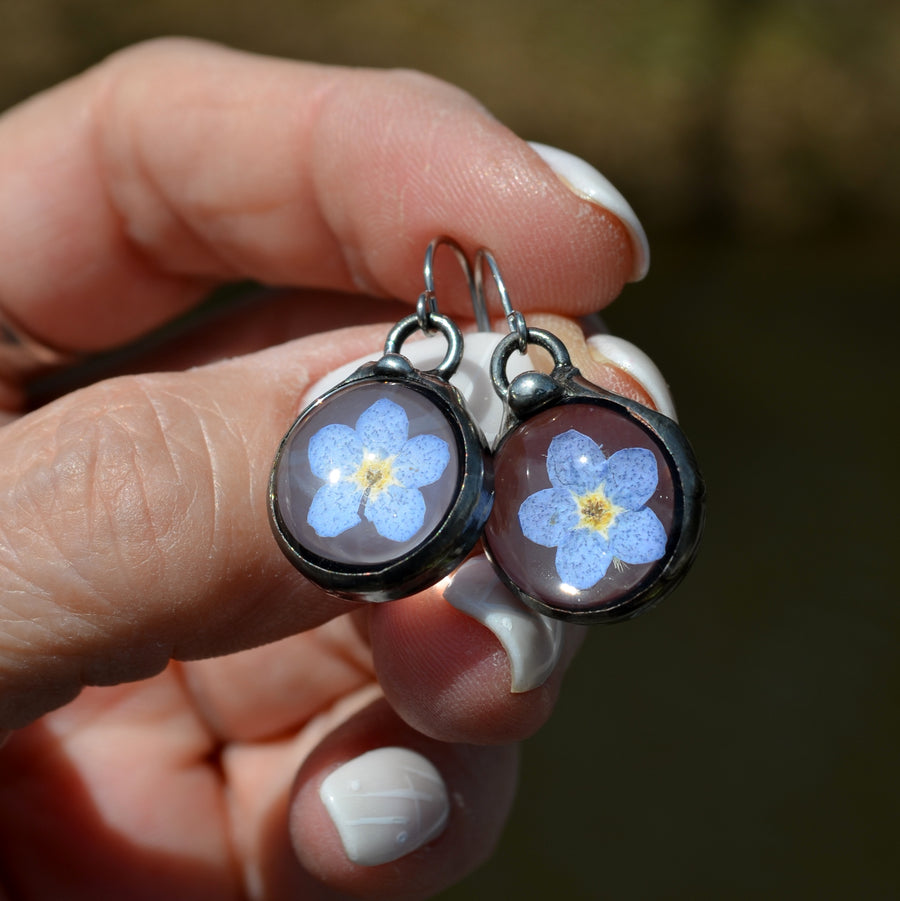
point(134, 530)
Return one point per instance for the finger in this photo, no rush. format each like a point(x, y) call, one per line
point(131, 189)
point(612, 363)
point(467, 662)
point(246, 321)
point(264, 318)
point(114, 797)
point(135, 525)
point(463, 662)
point(270, 691)
point(488, 671)
point(428, 814)
point(601, 371)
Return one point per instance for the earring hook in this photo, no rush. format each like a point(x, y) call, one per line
point(427, 306)
point(514, 318)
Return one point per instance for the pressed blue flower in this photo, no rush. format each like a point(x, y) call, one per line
point(373, 470)
point(595, 512)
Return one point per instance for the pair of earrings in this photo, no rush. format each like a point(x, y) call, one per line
point(590, 505)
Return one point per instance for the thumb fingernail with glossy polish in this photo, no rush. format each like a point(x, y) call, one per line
point(585, 181)
point(385, 804)
point(533, 643)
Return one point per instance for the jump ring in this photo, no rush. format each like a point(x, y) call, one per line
point(509, 343)
point(446, 326)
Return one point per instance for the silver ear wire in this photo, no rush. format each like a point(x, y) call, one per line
point(427, 306)
point(514, 318)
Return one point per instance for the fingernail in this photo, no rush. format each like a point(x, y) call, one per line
point(585, 181)
point(625, 356)
point(385, 804)
point(533, 643)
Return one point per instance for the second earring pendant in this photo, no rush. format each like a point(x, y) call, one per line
point(598, 502)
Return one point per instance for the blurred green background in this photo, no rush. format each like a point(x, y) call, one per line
point(741, 740)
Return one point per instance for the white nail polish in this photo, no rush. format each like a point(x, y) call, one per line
point(532, 642)
point(625, 356)
point(385, 804)
point(585, 181)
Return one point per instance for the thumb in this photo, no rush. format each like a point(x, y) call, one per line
point(135, 526)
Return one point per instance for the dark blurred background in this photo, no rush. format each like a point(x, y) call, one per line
point(741, 740)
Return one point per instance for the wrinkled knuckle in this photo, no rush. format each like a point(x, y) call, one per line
point(113, 498)
point(116, 484)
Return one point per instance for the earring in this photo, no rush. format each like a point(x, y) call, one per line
point(598, 502)
point(384, 483)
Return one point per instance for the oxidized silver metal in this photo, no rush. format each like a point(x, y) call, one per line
point(564, 392)
point(599, 501)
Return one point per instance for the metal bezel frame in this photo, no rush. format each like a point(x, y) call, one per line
point(447, 544)
point(533, 392)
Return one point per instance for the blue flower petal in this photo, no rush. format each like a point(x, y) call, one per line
point(638, 537)
point(583, 559)
point(334, 509)
point(548, 516)
point(631, 477)
point(422, 461)
point(576, 462)
point(397, 513)
point(383, 428)
point(334, 452)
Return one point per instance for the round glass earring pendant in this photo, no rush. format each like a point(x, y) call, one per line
point(599, 502)
point(382, 485)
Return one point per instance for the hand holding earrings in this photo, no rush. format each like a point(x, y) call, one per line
point(384, 484)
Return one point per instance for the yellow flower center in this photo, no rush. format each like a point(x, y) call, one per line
point(597, 511)
point(375, 474)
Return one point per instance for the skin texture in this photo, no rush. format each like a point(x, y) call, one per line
point(174, 690)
